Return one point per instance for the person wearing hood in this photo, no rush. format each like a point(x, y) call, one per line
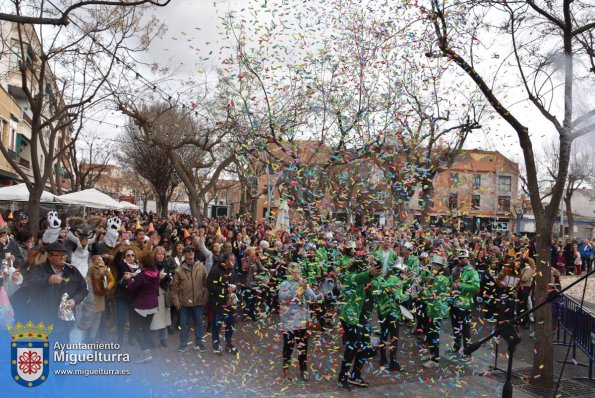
point(144, 289)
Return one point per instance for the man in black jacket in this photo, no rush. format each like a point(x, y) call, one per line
point(47, 282)
point(223, 302)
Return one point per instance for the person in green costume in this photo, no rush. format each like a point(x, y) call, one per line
point(435, 294)
point(388, 291)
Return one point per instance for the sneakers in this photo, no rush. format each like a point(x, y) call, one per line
point(394, 367)
point(431, 364)
point(182, 348)
point(285, 375)
point(217, 350)
point(231, 349)
point(454, 351)
point(465, 358)
point(145, 356)
point(305, 376)
point(200, 347)
point(359, 382)
point(343, 385)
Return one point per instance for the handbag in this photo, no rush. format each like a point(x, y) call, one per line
point(167, 297)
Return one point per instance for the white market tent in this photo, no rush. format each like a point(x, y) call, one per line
point(128, 206)
point(20, 193)
point(91, 198)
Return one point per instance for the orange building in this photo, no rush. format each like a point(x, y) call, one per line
point(479, 190)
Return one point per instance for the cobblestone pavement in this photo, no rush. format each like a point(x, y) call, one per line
point(577, 291)
point(255, 370)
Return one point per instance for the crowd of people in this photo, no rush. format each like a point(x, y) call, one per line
point(160, 275)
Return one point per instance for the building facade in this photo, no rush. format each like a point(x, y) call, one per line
point(479, 190)
point(15, 111)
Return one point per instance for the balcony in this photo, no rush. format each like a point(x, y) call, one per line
point(12, 154)
point(24, 163)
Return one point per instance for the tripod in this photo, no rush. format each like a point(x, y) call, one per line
point(510, 334)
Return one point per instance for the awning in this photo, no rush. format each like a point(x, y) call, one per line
point(21, 141)
point(6, 174)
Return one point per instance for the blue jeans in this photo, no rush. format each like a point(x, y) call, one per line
point(123, 309)
point(196, 314)
point(218, 319)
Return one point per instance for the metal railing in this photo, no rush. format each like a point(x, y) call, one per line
point(577, 327)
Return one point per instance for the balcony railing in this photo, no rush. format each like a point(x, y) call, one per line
point(24, 163)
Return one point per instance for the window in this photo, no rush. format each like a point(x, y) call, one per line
point(453, 201)
point(505, 183)
point(504, 203)
point(12, 145)
point(476, 181)
point(500, 226)
point(475, 202)
point(17, 52)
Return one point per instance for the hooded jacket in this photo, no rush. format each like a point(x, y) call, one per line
point(357, 292)
point(389, 293)
point(436, 295)
point(464, 296)
point(144, 289)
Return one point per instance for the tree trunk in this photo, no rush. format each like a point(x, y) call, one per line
point(253, 206)
point(33, 208)
point(205, 209)
point(543, 360)
point(195, 209)
point(163, 204)
point(569, 216)
point(243, 203)
point(425, 195)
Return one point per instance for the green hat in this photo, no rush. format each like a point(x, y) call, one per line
point(3, 229)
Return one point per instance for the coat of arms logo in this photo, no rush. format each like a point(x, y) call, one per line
point(29, 353)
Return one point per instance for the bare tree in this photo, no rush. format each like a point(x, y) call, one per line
point(88, 160)
point(328, 108)
point(151, 162)
point(580, 174)
point(140, 187)
point(248, 168)
point(199, 153)
point(58, 12)
point(58, 73)
point(533, 31)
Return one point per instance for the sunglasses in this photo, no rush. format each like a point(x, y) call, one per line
point(130, 255)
